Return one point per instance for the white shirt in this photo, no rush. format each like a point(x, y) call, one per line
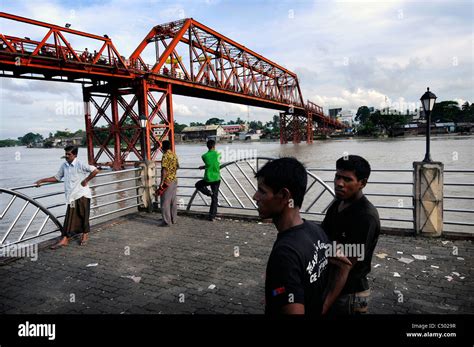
point(73, 175)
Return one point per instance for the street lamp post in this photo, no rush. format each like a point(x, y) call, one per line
point(427, 101)
point(143, 121)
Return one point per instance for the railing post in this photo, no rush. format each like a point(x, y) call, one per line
point(428, 198)
point(147, 177)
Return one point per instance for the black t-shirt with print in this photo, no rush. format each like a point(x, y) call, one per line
point(356, 225)
point(297, 269)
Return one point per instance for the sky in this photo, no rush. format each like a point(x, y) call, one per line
point(346, 53)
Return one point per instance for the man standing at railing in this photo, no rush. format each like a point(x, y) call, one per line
point(212, 177)
point(353, 224)
point(168, 185)
point(78, 195)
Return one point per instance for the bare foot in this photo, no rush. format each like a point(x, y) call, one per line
point(84, 239)
point(62, 243)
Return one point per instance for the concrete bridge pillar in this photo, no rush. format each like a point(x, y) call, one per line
point(428, 198)
point(147, 180)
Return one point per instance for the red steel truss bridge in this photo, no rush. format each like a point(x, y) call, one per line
point(188, 58)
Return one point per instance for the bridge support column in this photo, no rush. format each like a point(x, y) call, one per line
point(169, 106)
point(89, 137)
point(112, 116)
point(283, 128)
point(142, 97)
point(309, 128)
point(428, 198)
point(295, 127)
point(115, 131)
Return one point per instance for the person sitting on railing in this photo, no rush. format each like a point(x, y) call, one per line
point(296, 274)
point(168, 185)
point(85, 55)
point(212, 177)
point(351, 220)
point(166, 71)
point(76, 176)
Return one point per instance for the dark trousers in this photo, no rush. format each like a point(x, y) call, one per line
point(350, 304)
point(202, 187)
point(77, 217)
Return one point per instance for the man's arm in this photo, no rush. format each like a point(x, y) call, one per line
point(338, 273)
point(88, 178)
point(202, 167)
point(164, 175)
point(293, 309)
point(51, 179)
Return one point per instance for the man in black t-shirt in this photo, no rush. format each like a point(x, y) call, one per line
point(296, 275)
point(353, 224)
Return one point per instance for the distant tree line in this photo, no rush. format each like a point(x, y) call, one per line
point(370, 123)
point(269, 128)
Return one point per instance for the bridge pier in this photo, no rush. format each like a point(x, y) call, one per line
point(295, 127)
point(112, 116)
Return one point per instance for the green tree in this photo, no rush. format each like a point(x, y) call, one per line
point(445, 111)
point(30, 138)
point(276, 122)
point(239, 121)
point(467, 114)
point(214, 121)
point(60, 133)
point(388, 121)
point(195, 124)
point(465, 106)
point(9, 143)
point(362, 115)
point(179, 127)
point(256, 125)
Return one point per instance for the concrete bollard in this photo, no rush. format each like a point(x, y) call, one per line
point(428, 198)
point(147, 179)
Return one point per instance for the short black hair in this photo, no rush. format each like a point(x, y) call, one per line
point(72, 149)
point(359, 165)
point(287, 173)
point(165, 145)
point(210, 144)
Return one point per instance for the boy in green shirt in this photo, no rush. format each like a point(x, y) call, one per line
point(212, 177)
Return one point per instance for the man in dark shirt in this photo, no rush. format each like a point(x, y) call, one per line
point(353, 224)
point(296, 274)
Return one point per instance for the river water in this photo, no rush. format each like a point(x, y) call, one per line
point(22, 166)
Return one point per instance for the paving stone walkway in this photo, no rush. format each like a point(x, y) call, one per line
point(132, 266)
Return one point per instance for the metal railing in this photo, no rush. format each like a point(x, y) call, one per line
point(30, 215)
point(459, 219)
point(390, 190)
point(386, 186)
point(238, 185)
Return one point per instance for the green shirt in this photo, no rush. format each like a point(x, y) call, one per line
point(211, 161)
